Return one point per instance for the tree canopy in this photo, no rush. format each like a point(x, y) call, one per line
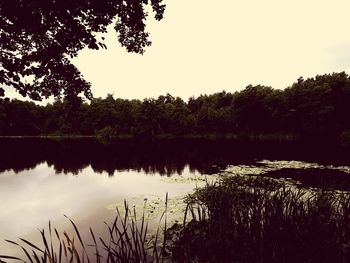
point(39, 36)
point(315, 108)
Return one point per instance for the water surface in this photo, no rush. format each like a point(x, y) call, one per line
point(44, 179)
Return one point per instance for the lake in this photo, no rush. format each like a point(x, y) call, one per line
point(44, 179)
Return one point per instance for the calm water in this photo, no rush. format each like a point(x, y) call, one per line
point(42, 179)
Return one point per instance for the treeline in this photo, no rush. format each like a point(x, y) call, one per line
point(313, 108)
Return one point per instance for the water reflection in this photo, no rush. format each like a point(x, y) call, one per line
point(162, 157)
point(30, 198)
point(42, 179)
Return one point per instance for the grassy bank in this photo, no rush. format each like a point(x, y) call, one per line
point(209, 136)
point(245, 219)
point(236, 219)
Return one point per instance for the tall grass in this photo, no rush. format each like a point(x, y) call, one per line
point(127, 241)
point(237, 219)
point(245, 219)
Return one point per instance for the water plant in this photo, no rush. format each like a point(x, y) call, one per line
point(127, 241)
point(254, 219)
point(234, 219)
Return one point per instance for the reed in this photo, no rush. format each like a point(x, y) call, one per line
point(236, 219)
point(247, 219)
point(127, 242)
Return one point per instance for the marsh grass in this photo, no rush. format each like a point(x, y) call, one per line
point(254, 219)
point(127, 241)
point(235, 219)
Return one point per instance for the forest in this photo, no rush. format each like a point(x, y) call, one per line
point(315, 108)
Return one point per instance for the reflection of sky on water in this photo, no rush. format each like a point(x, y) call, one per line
point(31, 198)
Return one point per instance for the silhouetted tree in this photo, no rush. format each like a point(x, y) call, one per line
point(312, 108)
point(39, 36)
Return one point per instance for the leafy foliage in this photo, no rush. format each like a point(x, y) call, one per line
point(315, 108)
point(39, 36)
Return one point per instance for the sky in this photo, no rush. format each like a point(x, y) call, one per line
point(203, 47)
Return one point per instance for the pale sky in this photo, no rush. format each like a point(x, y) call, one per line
point(202, 47)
